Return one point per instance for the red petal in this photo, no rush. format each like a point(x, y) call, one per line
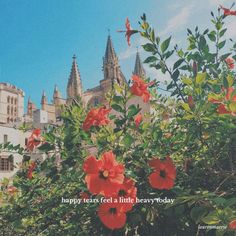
point(91, 165)
point(112, 221)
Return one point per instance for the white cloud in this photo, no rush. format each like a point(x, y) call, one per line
point(179, 20)
point(231, 32)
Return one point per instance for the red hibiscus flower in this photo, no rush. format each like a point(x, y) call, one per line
point(129, 31)
point(34, 140)
point(31, 170)
point(138, 119)
point(139, 88)
point(164, 173)
point(230, 63)
point(232, 224)
point(228, 12)
point(112, 215)
point(126, 191)
point(222, 108)
point(96, 117)
point(103, 176)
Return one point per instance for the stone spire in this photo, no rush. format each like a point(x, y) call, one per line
point(74, 85)
point(111, 67)
point(56, 93)
point(138, 68)
point(110, 54)
point(44, 100)
point(31, 107)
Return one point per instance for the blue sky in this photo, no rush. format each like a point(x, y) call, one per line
point(39, 37)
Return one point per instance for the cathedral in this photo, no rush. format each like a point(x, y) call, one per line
point(91, 97)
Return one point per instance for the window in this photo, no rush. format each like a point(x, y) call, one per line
point(96, 101)
point(26, 141)
point(8, 109)
point(6, 163)
point(5, 138)
point(15, 101)
point(8, 99)
point(11, 100)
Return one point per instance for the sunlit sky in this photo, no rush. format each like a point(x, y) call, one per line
point(39, 37)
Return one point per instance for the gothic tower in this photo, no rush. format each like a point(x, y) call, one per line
point(138, 68)
point(58, 101)
point(31, 107)
point(44, 101)
point(56, 96)
point(74, 85)
point(111, 67)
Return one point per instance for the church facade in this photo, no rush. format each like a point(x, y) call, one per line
point(92, 97)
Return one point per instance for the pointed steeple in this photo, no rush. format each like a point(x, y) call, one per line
point(56, 93)
point(110, 54)
point(30, 107)
point(138, 68)
point(44, 98)
point(111, 67)
point(74, 85)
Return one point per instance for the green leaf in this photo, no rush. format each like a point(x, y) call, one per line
point(175, 75)
point(187, 81)
point(186, 107)
point(149, 47)
point(150, 59)
point(133, 110)
point(178, 63)
point(188, 117)
point(117, 88)
point(222, 32)
point(128, 140)
point(197, 213)
point(230, 80)
point(202, 42)
point(46, 147)
point(118, 99)
point(211, 218)
point(200, 78)
point(212, 36)
point(214, 96)
point(170, 85)
point(225, 83)
point(152, 36)
point(180, 53)
point(117, 107)
point(221, 44)
point(232, 106)
point(165, 44)
point(219, 25)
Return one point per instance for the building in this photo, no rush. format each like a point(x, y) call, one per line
point(11, 103)
point(94, 96)
point(9, 160)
